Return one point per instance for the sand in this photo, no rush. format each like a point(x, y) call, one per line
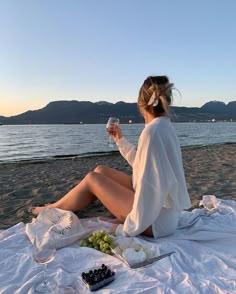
point(209, 170)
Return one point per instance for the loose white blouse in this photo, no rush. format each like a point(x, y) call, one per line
point(158, 176)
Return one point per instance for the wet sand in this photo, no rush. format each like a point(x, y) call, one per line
point(208, 170)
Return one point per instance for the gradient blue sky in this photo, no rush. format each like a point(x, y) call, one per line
point(103, 50)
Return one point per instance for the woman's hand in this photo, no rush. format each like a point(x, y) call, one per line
point(115, 132)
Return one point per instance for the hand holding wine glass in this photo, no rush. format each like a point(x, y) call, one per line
point(44, 251)
point(112, 129)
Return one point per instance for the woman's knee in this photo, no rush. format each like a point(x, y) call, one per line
point(93, 177)
point(101, 169)
point(90, 175)
point(90, 180)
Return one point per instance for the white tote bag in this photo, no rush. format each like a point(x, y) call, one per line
point(65, 226)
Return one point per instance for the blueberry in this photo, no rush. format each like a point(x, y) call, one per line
point(95, 279)
point(103, 276)
point(88, 280)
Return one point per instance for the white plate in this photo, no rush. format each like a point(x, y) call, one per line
point(151, 249)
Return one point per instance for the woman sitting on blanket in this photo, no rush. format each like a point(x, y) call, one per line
point(150, 201)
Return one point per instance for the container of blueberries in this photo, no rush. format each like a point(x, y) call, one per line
point(97, 277)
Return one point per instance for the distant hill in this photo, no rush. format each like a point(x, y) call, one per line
point(2, 118)
point(75, 112)
point(215, 107)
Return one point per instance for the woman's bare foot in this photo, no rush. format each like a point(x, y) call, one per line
point(37, 209)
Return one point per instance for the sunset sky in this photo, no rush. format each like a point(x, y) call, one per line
point(103, 50)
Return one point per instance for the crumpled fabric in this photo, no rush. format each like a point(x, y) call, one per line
point(204, 260)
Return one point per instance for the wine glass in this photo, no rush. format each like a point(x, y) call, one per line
point(112, 121)
point(44, 251)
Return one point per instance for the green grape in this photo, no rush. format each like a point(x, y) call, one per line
point(101, 242)
point(91, 239)
point(107, 239)
point(106, 245)
point(99, 235)
point(103, 233)
point(95, 234)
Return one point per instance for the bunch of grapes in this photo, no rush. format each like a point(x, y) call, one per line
point(99, 240)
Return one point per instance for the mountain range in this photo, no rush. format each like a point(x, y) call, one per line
point(77, 112)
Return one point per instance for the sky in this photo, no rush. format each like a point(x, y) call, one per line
point(102, 50)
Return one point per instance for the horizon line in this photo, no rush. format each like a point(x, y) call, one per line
point(104, 101)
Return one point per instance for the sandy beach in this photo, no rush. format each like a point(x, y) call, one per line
point(208, 170)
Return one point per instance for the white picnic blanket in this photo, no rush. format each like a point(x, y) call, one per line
point(204, 260)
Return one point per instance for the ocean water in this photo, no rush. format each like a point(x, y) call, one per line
point(42, 142)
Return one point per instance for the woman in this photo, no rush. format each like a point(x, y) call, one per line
point(150, 201)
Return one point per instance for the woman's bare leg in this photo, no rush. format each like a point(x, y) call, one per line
point(118, 176)
point(111, 187)
point(116, 198)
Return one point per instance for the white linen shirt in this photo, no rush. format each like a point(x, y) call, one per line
point(158, 175)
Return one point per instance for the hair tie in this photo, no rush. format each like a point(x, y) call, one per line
point(158, 91)
point(154, 99)
point(155, 95)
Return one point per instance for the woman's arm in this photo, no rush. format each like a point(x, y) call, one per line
point(127, 150)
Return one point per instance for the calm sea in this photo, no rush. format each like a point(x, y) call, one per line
point(40, 142)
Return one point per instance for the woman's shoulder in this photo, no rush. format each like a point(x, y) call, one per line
point(160, 130)
point(157, 124)
point(149, 132)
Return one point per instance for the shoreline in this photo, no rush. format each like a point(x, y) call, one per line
point(209, 169)
point(93, 154)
